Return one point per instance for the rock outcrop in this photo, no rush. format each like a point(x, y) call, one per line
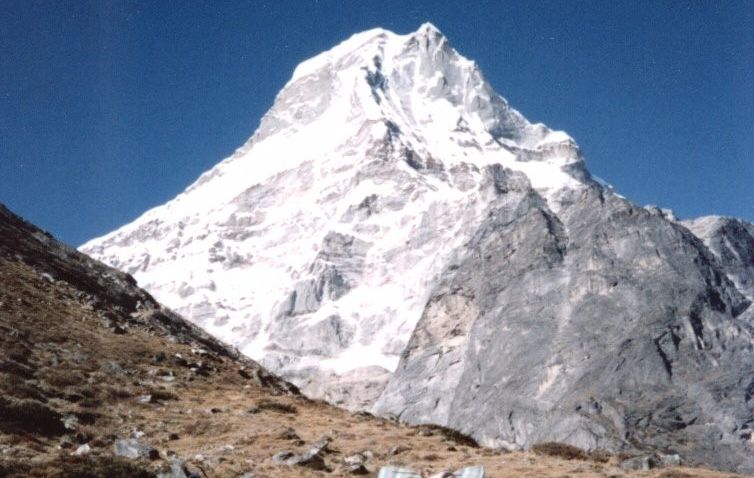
point(604, 326)
point(732, 242)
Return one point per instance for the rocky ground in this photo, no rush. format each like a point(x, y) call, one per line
point(98, 380)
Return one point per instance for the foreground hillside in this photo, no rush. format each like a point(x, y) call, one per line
point(92, 367)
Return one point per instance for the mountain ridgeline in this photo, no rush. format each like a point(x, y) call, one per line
point(395, 237)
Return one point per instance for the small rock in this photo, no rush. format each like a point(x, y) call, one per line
point(282, 457)
point(178, 469)
point(358, 469)
point(82, 437)
point(670, 460)
point(356, 459)
point(82, 450)
point(132, 448)
point(646, 462)
point(397, 450)
point(290, 434)
point(70, 422)
point(391, 417)
point(444, 474)
point(180, 361)
point(321, 445)
point(112, 368)
point(308, 460)
point(312, 458)
point(144, 398)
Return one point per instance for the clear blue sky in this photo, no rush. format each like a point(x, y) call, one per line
point(108, 108)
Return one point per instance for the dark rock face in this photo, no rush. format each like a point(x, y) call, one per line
point(604, 326)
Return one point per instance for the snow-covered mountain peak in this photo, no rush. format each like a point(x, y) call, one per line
point(317, 242)
point(395, 234)
point(417, 82)
point(429, 27)
point(329, 58)
point(360, 44)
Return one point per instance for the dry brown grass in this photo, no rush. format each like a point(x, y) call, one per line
point(73, 467)
point(674, 474)
point(62, 378)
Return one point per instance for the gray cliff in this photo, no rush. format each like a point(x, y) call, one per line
point(606, 326)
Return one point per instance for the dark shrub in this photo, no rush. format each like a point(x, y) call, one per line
point(274, 406)
point(449, 434)
point(570, 452)
point(162, 395)
point(560, 450)
point(29, 416)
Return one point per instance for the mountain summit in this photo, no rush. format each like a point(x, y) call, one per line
point(395, 236)
point(316, 244)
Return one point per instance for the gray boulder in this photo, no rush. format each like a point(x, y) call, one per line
point(178, 469)
point(312, 458)
point(132, 448)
